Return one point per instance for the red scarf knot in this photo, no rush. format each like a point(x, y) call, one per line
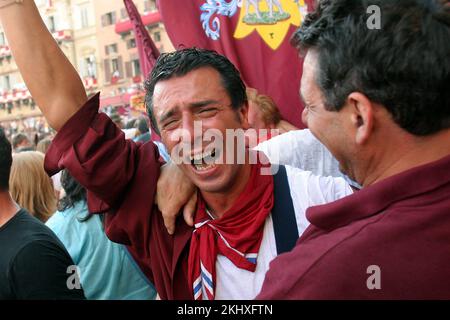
point(237, 235)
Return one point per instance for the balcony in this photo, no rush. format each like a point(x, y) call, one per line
point(90, 83)
point(137, 79)
point(5, 52)
point(147, 19)
point(63, 35)
point(14, 95)
point(115, 101)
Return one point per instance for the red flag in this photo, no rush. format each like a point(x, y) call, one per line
point(148, 53)
point(253, 34)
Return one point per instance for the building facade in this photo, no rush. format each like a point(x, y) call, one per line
point(98, 39)
point(15, 99)
point(119, 72)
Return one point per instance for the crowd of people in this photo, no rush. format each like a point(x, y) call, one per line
point(34, 129)
point(354, 207)
point(106, 270)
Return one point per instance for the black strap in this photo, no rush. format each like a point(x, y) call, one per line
point(283, 214)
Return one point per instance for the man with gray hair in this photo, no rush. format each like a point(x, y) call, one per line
point(379, 100)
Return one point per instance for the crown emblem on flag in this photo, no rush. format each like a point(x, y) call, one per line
point(270, 18)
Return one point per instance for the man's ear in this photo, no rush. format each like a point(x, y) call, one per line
point(243, 115)
point(362, 116)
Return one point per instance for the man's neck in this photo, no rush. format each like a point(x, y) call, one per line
point(8, 208)
point(413, 152)
point(220, 202)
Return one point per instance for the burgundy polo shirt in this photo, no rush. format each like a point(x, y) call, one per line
point(121, 178)
point(388, 241)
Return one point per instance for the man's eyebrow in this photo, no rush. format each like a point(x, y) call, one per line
point(168, 114)
point(194, 106)
point(200, 104)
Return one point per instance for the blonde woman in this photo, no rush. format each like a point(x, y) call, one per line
point(263, 113)
point(30, 186)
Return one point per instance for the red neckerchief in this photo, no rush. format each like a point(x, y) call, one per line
point(237, 235)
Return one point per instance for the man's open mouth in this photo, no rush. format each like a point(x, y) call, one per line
point(204, 161)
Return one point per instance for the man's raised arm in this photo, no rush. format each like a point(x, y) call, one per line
point(52, 80)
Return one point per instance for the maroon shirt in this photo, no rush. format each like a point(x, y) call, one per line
point(121, 177)
point(401, 225)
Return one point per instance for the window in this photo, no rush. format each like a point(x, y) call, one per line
point(108, 19)
point(115, 66)
point(90, 69)
point(123, 14)
point(136, 68)
point(131, 43)
point(7, 83)
point(51, 24)
point(157, 36)
point(112, 48)
point(2, 39)
point(84, 17)
point(113, 69)
point(149, 5)
point(115, 73)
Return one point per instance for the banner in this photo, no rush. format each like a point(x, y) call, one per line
point(148, 53)
point(253, 34)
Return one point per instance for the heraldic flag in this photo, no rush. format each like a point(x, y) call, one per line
point(253, 34)
point(148, 53)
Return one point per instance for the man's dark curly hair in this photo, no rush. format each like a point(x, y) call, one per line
point(5, 161)
point(181, 62)
point(404, 65)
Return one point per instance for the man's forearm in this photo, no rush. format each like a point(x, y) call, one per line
point(52, 80)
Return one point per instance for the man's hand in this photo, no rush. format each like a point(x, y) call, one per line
point(175, 193)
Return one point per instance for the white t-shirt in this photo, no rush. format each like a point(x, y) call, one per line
point(57, 181)
point(307, 190)
point(301, 149)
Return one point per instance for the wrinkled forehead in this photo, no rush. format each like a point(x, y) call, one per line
point(309, 76)
point(202, 84)
point(310, 66)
